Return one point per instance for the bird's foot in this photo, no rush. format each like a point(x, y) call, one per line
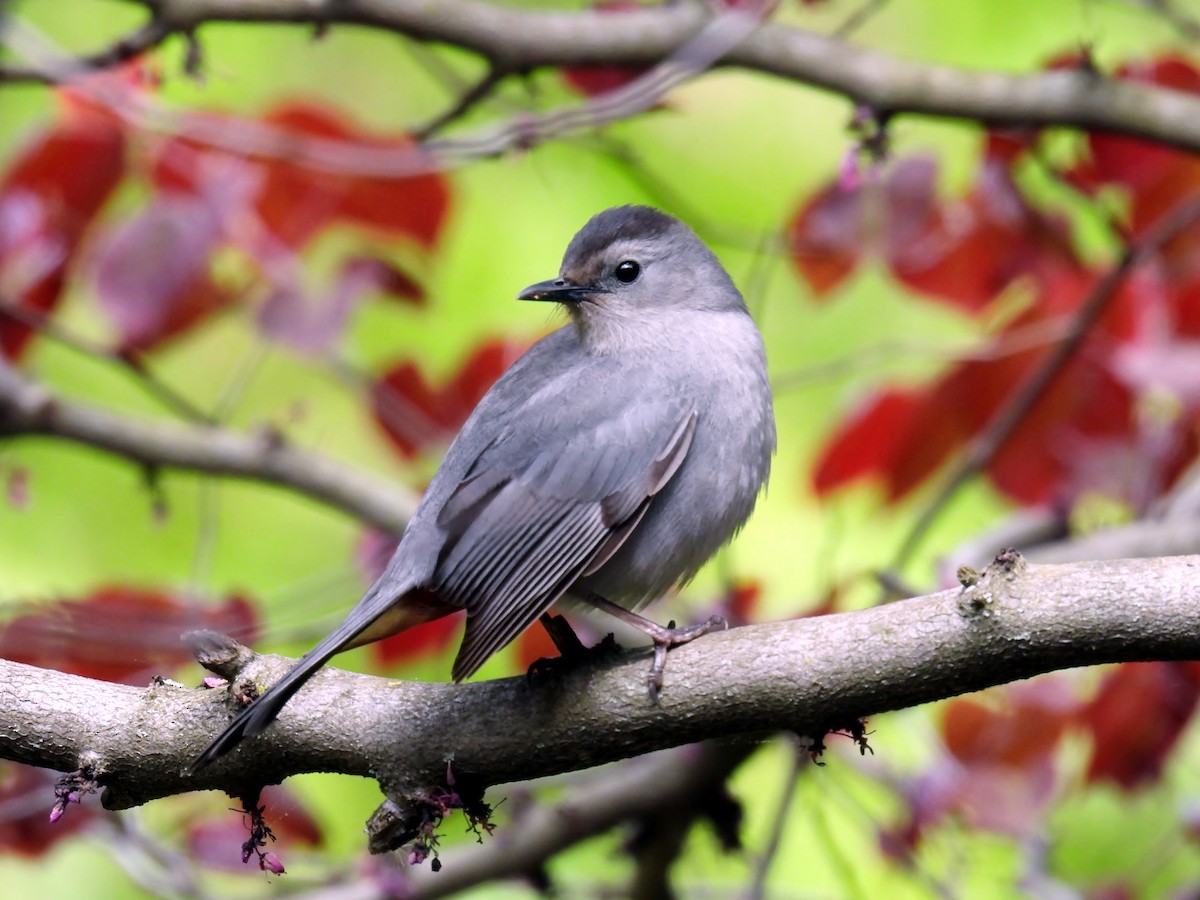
point(666, 638)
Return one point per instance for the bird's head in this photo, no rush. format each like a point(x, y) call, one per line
point(632, 267)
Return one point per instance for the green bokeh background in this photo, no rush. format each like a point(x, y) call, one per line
point(735, 154)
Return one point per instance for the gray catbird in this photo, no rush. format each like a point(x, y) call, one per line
point(607, 465)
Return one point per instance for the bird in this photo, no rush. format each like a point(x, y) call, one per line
point(605, 466)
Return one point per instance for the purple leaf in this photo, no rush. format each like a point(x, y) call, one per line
point(148, 264)
point(313, 326)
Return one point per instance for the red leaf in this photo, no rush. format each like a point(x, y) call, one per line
point(50, 194)
point(119, 633)
point(1185, 311)
point(33, 260)
point(72, 168)
point(943, 418)
point(1071, 438)
point(409, 411)
point(1017, 733)
point(533, 644)
point(1116, 159)
point(297, 199)
point(741, 602)
point(416, 416)
point(1000, 773)
point(593, 80)
point(1084, 432)
point(1136, 719)
point(866, 440)
point(199, 300)
point(1007, 147)
point(152, 271)
point(378, 274)
point(372, 552)
point(1176, 72)
point(416, 643)
point(1136, 163)
point(313, 326)
point(17, 487)
point(912, 207)
point(371, 555)
point(826, 237)
point(965, 252)
point(1156, 176)
point(970, 251)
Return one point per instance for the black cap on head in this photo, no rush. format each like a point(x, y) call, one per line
point(628, 223)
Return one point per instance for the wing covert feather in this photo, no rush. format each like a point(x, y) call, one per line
point(530, 516)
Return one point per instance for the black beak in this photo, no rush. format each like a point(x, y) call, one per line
point(559, 290)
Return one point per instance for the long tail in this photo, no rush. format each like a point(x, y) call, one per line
point(382, 598)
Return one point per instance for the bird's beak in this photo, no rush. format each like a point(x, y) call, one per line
point(559, 290)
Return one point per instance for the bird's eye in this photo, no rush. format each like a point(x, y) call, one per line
point(628, 271)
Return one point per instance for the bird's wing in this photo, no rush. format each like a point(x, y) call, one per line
point(538, 508)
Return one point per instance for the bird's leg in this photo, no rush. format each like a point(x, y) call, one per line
point(571, 650)
point(664, 638)
point(566, 641)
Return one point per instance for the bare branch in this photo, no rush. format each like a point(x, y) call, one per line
point(28, 408)
point(515, 40)
point(131, 364)
point(1143, 538)
point(802, 676)
point(660, 783)
point(471, 97)
point(147, 37)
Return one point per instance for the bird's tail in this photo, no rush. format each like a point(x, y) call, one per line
point(384, 601)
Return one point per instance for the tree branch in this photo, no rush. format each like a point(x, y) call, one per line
point(28, 408)
point(514, 40)
point(805, 676)
point(667, 784)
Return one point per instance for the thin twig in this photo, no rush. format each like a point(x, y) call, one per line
point(470, 98)
point(720, 35)
point(131, 364)
point(800, 759)
point(1019, 340)
point(41, 68)
point(30, 408)
point(858, 18)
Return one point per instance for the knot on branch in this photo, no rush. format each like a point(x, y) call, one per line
point(413, 817)
point(981, 591)
point(218, 652)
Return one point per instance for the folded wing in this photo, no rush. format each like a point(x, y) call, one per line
point(533, 514)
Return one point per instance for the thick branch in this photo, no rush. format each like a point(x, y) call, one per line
point(804, 676)
point(28, 408)
point(515, 40)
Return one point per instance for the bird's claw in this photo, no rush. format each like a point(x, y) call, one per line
point(670, 637)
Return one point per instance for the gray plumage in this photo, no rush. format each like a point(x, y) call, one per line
point(612, 459)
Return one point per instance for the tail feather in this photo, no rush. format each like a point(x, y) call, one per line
point(263, 710)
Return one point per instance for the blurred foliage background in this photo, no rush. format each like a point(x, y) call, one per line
point(735, 154)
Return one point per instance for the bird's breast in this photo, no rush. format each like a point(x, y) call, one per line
point(715, 489)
